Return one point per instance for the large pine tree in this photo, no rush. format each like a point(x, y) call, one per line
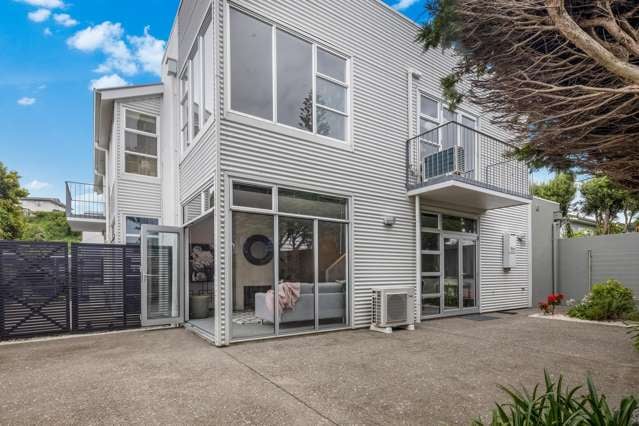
point(562, 75)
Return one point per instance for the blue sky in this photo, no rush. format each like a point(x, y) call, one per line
point(53, 52)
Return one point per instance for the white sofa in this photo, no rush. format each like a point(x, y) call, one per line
point(332, 303)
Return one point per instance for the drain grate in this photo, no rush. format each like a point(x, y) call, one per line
point(479, 317)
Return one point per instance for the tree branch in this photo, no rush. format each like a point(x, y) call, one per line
point(573, 32)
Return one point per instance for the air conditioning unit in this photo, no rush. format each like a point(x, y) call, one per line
point(393, 306)
point(447, 161)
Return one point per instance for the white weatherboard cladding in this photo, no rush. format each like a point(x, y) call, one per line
point(501, 289)
point(133, 197)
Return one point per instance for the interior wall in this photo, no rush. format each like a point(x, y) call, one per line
point(201, 232)
point(244, 272)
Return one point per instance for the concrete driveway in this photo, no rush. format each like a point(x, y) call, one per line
point(444, 372)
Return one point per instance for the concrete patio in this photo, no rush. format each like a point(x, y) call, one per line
point(444, 372)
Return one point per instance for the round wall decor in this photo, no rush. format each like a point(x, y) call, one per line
point(258, 249)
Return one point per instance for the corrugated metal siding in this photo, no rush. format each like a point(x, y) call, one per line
point(198, 167)
point(133, 197)
point(500, 289)
point(190, 18)
point(374, 173)
point(382, 46)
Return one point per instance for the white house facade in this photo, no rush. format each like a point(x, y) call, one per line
point(294, 157)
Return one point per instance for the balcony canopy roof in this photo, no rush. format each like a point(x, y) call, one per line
point(466, 193)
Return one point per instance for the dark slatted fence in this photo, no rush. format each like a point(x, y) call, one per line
point(44, 290)
point(105, 286)
point(34, 291)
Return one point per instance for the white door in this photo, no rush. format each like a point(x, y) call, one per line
point(161, 264)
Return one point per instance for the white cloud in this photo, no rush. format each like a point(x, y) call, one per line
point(96, 37)
point(107, 38)
point(65, 20)
point(36, 185)
point(47, 32)
point(125, 55)
point(148, 51)
point(404, 4)
point(47, 4)
point(112, 80)
point(25, 101)
point(39, 15)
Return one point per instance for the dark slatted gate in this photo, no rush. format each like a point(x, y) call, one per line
point(34, 288)
point(43, 290)
point(106, 286)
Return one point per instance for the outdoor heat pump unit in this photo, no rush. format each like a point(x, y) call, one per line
point(393, 306)
point(510, 250)
point(447, 161)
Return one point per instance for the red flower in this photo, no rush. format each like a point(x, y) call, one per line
point(552, 299)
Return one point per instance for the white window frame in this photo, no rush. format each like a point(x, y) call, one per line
point(186, 99)
point(441, 105)
point(155, 135)
point(184, 107)
point(275, 195)
point(126, 216)
point(203, 195)
point(449, 234)
point(348, 130)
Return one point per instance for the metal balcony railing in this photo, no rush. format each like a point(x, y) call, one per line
point(466, 154)
point(85, 200)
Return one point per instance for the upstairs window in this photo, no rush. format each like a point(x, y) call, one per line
point(140, 144)
point(432, 113)
point(280, 77)
point(251, 66)
point(197, 90)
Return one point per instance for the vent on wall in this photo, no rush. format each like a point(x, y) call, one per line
point(393, 306)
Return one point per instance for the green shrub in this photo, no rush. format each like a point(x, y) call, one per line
point(633, 316)
point(607, 301)
point(560, 406)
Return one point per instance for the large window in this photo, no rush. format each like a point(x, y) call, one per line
point(134, 227)
point(197, 86)
point(251, 66)
point(140, 144)
point(290, 243)
point(286, 79)
point(294, 81)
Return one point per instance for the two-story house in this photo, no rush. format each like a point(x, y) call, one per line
point(295, 156)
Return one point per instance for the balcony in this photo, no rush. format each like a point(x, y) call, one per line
point(456, 165)
point(85, 207)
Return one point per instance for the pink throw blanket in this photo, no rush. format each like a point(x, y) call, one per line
point(288, 294)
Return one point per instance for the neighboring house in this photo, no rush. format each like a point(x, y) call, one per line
point(304, 146)
point(32, 205)
point(582, 225)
